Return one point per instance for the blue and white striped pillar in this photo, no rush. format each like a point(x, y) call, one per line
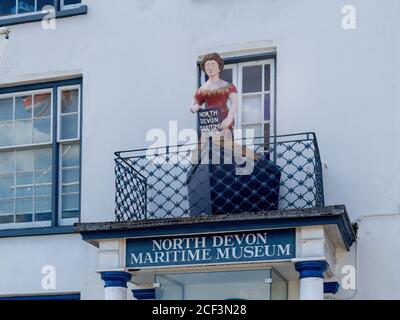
point(115, 284)
point(311, 279)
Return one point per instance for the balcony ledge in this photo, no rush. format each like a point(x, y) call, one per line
point(289, 218)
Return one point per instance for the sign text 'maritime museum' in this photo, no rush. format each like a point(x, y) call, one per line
point(252, 246)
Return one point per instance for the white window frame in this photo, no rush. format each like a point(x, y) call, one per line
point(263, 92)
point(59, 95)
point(67, 221)
point(33, 146)
point(23, 94)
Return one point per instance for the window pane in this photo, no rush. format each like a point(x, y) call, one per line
point(42, 190)
point(7, 162)
point(24, 178)
point(70, 181)
point(227, 75)
point(70, 188)
point(23, 108)
point(70, 202)
point(23, 132)
point(267, 107)
point(251, 109)
point(25, 6)
point(6, 206)
point(7, 7)
point(43, 216)
point(68, 2)
point(70, 155)
point(267, 78)
point(43, 166)
point(70, 175)
point(70, 206)
point(21, 218)
point(41, 130)
point(43, 176)
point(69, 127)
point(6, 109)
point(23, 205)
point(6, 186)
point(42, 105)
point(24, 191)
point(252, 77)
point(6, 138)
point(69, 101)
point(267, 133)
point(24, 161)
point(43, 204)
point(43, 159)
point(6, 219)
point(43, 3)
point(256, 129)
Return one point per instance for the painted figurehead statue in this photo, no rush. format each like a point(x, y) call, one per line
point(215, 93)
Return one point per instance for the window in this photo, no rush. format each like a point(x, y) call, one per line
point(40, 155)
point(70, 3)
point(11, 7)
point(254, 80)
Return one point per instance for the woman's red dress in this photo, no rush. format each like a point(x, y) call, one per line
point(216, 98)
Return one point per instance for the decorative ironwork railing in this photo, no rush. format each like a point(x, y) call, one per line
point(195, 179)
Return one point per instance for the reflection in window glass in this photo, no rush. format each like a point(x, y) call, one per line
point(267, 107)
point(41, 130)
point(23, 132)
point(25, 6)
point(69, 114)
point(69, 2)
point(251, 109)
point(23, 108)
point(70, 181)
point(252, 79)
point(6, 138)
point(69, 127)
point(255, 129)
point(227, 75)
point(26, 173)
point(25, 185)
point(69, 101)
point(7, 7)
point(43, 3)
point(42, 105)
point(6, 110)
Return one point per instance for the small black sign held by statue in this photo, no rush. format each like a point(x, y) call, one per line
point(209, 120)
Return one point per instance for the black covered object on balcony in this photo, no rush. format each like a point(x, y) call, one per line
point(220, 188)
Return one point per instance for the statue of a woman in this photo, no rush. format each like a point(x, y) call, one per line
point(216, 92)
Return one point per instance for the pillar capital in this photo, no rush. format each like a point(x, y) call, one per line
point(116, 278)
point(311, 269)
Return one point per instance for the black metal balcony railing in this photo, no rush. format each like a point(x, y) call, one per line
point(167, 183)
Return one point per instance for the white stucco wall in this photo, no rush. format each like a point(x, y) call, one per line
point(138, 59)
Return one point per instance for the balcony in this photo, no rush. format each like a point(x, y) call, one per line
point(194, 180)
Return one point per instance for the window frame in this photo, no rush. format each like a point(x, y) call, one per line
point(68, 6)
point(56, 226)
point(61, 11)
point(55, 5)
point(250, 59)
point(263, 93)
point(23, 94)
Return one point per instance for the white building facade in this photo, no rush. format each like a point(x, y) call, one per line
point(103, 74)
